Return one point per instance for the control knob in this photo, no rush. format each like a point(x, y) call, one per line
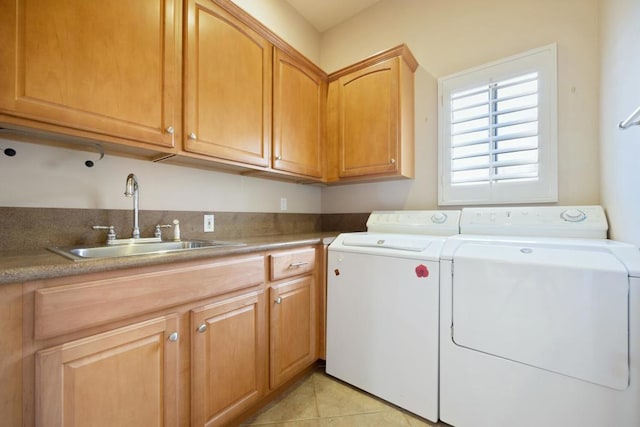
point(573, 215)
point(439, 218)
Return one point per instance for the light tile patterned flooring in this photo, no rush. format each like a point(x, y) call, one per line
point(320, 400)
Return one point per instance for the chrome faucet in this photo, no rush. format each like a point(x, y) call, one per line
point(132, 189)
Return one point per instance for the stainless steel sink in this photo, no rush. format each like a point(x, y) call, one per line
point(110, 251)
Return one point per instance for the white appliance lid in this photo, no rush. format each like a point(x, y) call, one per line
point(388, 242)
point(393, 245)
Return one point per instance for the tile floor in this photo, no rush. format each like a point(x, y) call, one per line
point(320, 400)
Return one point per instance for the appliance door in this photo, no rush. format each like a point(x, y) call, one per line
point(565, 310)
point(382, 327)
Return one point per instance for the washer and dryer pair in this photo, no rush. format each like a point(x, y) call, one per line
point(496, 326)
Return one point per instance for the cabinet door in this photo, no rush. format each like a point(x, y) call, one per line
point(125, 377)
point(228, 358)
point(107, 68)
point(369, 120)
point(293, 328)
point(298, 117)
point(227, 87)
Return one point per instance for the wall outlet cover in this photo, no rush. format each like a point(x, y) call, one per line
point(209, 223)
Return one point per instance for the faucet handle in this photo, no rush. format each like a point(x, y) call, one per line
point(111, 235)
point(158, 232)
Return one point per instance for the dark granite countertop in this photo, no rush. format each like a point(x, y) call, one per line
point(17, 267)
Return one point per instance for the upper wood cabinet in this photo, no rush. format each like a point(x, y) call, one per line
point(201, 82)
point(370, 118)
point(106, 70)
point(299, 101)
point(227, 86)
point(249, 99)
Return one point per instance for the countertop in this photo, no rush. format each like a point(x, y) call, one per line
point(17, 267)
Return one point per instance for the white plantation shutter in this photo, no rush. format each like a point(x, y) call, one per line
point(497, 132)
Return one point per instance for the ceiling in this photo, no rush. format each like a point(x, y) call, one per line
point(325, 14)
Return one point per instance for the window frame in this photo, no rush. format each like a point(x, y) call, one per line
point(542, 60)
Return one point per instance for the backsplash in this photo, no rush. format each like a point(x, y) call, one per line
point(37, 228)
point(345, 222)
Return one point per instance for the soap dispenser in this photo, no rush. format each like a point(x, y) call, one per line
point(176, 230)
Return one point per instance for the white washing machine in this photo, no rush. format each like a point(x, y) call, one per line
point(538, 325)
point(382, 307)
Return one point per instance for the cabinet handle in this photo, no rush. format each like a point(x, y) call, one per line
point(278, 300)
point(392, 161)
point(298, 264)
point(192, 136)
point(278, 157)
point(170, 130)
point(174, 337)
point(202, 328)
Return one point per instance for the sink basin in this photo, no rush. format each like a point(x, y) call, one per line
point(110, 251)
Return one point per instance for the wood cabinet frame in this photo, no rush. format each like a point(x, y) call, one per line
point(56, 322)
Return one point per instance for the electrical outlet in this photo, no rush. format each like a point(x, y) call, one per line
point(208, 223)
point(283, 203)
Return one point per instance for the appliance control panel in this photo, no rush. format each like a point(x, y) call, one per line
point(437, 223)
point(541, 221)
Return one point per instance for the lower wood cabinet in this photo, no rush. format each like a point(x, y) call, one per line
point(201, 343)
point(228, 356)
point(293, 328)
point(124, 377)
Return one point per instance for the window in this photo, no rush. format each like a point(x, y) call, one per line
point(497, 132)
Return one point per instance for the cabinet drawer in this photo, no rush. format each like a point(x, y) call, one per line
point(76, 306)
point(292, 263)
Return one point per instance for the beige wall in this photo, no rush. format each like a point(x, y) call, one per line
point(44, 176)
point(620, 149)
point(449, 36)
point(281, 18)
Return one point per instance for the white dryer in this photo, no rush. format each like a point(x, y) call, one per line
point(382, 307)
point(539, 326)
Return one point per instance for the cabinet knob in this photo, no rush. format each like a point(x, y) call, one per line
point(202, 328)
point(192, 136)
point(170, 130)
point(278, 300)
point(174, 337)
point(278, 157)
point(392, 161)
